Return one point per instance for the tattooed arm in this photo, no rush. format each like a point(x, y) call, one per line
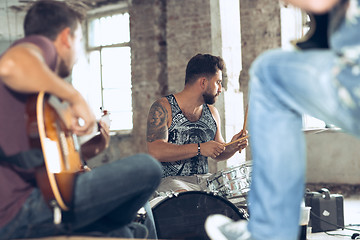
point(159, 120)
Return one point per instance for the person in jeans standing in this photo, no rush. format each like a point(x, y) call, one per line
point(284, 85)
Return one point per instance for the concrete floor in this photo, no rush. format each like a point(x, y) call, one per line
point(351, 216)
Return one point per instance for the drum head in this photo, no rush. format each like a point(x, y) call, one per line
point(183, 216)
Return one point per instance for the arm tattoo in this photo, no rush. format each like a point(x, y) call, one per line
point(157, 123)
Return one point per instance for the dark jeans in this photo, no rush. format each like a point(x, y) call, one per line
point(106, 200)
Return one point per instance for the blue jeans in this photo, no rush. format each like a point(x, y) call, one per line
point(284, 85)
point(106, 200)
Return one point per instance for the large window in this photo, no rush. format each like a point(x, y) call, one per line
point(294, 25)
point(109, 68)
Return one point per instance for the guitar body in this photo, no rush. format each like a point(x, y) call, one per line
point(49, 129)
point(317, 36)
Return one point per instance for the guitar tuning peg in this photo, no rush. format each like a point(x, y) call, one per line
point(105, 117)
point(105, 112)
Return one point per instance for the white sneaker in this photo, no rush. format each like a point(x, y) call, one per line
point(219, 227)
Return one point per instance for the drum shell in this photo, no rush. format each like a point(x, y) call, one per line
point(183, 215)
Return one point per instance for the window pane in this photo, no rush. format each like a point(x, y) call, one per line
point(117, 99)
point(95, 97)
point(119, 103)
point(111, 66)
point(116, 70)
point(104, 30)
point(86, 78)
point(121, 120)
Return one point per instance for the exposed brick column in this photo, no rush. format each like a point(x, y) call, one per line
point(188, 32)
point(149, 63)
point(260, 31)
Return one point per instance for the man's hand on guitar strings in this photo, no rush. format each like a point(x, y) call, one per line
point(81, 110)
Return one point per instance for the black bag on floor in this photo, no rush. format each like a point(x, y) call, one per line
point(327, 210)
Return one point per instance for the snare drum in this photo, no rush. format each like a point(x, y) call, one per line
point(183, 215)
point(231, 182)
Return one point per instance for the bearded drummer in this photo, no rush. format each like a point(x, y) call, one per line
point(184, 129)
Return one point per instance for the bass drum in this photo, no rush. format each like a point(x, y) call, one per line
point(182, 215)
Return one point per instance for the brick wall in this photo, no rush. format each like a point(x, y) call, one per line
point(149, 64)
point(260, 31)
point(165, 34)
point(188, 33)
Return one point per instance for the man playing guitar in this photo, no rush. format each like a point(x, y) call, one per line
point(103, 201)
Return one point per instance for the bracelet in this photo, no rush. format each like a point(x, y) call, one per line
point(198, 153)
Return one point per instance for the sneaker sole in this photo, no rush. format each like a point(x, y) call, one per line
point(213, 232)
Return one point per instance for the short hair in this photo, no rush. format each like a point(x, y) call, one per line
point(48, 18)
point(203, 65)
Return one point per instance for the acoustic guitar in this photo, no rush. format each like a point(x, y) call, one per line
point(317, 36)
point(49, 129)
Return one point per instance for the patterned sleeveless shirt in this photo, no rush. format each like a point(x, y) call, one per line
point(182, 131)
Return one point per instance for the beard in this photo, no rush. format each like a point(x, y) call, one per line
point(64, 70)
point(209, 98)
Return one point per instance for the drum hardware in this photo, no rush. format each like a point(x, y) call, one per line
point(169, 194)
point(231, 182)
point(245, 213)
point(214, 192)
point(141, 216)
point(172, 194)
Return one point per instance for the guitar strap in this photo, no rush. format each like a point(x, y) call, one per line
point(28, 159)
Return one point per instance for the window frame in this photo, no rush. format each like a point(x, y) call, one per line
point(109, 10)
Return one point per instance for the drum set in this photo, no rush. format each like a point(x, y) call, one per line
point(232, 182)
point(182, 215)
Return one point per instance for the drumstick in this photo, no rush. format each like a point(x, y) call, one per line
point(245, 118)
point(237, 140)
point(243, 129)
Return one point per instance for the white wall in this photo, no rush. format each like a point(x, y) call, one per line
point(332, 157)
